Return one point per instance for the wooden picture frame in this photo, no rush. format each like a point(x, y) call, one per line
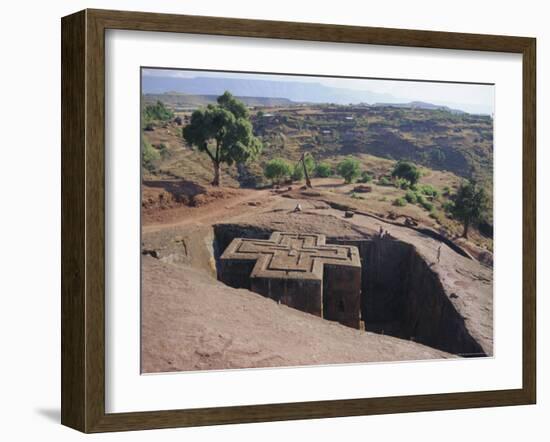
point(83, 220)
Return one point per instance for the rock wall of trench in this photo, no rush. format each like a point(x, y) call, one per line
point(402, 296)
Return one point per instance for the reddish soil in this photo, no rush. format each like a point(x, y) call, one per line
point(166, 203)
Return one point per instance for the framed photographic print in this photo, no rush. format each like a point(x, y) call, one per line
point(269, 220)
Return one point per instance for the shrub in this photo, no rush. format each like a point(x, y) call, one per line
point(410, 196)
point(384, 181)
point(446, 191)
point(157, 111)
point(402, 183)
point(298, 172)
point(400, 202)
point(366, 177)
point(448, 206)
point(323, 170)
point(356, 196)
point(429, 190)
point(426, 204)
point(163, 150)
point(277, 169)
point(406, 170)
point(349, 169)
point(148, 155)
point(310, 164)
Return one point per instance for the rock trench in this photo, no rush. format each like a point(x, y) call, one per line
point(401, 295)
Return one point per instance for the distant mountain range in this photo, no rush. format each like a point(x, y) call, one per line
point(183, 100)
point(296, 91)
point(199, 91)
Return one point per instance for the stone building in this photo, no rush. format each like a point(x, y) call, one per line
point(298, 270)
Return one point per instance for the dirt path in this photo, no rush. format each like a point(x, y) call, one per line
point(213, 212)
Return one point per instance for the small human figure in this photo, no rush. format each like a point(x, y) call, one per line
point(381, 232)
point(298, 208)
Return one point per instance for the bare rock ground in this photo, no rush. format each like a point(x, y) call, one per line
point(190, 321)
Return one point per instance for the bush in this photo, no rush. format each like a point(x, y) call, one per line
point(277, 169)
point(384, 182)
point(298, 172)
point(429, 190)
point(349, 169)
point(406, 170)
point(157, 111)
point(163, 150)
point(400, 202)
point(366, 177)
point(425, 203)
point(448, 206)
point(323, 170)
point(310, 164)
point(410, 196)
point(402, 183)
point(148, 155)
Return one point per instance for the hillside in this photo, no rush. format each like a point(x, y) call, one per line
point(450, 147)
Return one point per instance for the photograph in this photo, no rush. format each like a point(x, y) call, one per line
point(304, 220)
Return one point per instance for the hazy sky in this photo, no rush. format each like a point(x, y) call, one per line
point(473, 98)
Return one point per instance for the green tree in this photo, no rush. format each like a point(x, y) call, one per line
point(308, 165)
point(298, 171)
point(470, 202)
point(224, 132)
point(406, 170)
point(277, 169)
point(349, 169)
point(323, 170)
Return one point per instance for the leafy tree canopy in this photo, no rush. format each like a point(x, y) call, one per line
point(470, 203)
point(323, 170)
point(277, 169)
point(406, 170)
point(349, 169)
point(224, 132)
